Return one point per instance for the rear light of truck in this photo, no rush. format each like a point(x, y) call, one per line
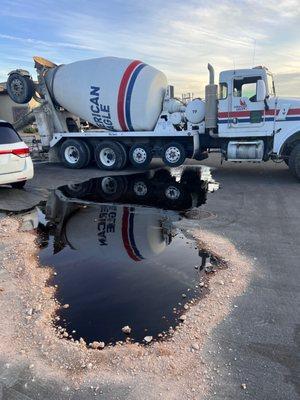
point(22, 152)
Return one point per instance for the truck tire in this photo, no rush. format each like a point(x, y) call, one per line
point(20, 88)
point(174, 154)
point(294, 161)
point(140, 155)
point(75, 154)
point(110, 155)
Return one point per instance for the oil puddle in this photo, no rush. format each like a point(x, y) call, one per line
point(124, 270)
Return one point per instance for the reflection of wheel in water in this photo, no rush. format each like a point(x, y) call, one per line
point(140, 188)
point(174, 195)
point(112, 188)
point(172, 192)
point(77, 190)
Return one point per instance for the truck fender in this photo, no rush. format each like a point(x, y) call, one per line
point(282, 138)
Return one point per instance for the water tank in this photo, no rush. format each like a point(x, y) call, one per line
point(111, 93)
point(195, 111)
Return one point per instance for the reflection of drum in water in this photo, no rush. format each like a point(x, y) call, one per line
point(115, 232)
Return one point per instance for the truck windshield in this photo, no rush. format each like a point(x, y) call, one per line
point(271, 86)
point(8, 134)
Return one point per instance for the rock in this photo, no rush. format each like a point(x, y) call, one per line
point(126, 329)
point(65, 334)
point(148, 339)
point(66, 306)
point(201, 284)
point(186, 307)
point(97, 345)
point(82, 341)
point(29, 312)
point(244, 386)
point(89, 366)
point(221, 282)
point(182, 318)
point(195, 346)
point(183, 295)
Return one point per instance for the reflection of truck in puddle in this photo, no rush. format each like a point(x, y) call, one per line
point(87, 216)
point(120, 256)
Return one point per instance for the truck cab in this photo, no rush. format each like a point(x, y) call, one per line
point(253, 123)
point(241, 112)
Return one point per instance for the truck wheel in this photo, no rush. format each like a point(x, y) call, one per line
point(140, 155)
point(20, 88)
point(294, 161)
point(110, 155)
point(75, 154)
point(173, 154)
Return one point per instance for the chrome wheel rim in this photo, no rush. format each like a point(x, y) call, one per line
point(107, 157)
point(71, 154)
point(172, 154)
point(139, 155)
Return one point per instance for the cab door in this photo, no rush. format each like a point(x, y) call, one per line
point(246, 114)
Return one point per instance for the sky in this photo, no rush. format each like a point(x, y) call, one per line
point(177, 37)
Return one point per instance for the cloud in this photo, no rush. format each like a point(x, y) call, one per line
point(31, 41)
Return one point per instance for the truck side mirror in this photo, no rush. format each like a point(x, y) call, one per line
point(261, 90)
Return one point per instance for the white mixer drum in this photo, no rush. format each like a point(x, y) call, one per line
point(111, 93)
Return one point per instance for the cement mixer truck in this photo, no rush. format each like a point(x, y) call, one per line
point(135, 116)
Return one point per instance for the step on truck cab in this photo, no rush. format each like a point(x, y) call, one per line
point(134, 116)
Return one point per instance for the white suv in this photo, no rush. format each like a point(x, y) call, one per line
point(15, 162)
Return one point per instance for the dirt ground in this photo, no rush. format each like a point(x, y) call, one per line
point(43, 363)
